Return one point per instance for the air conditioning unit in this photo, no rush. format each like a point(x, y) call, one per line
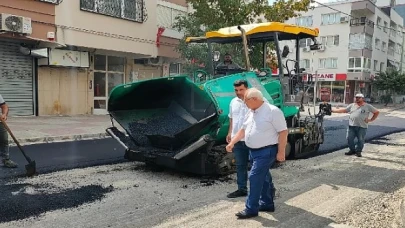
point(155, 61)
point(16, 24)
point(344, 19)
point(306, 49)
point(321, 48)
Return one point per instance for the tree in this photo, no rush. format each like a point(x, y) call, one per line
point(391, 81)
point(211, 15)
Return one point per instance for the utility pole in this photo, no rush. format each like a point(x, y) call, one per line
point(315, 89)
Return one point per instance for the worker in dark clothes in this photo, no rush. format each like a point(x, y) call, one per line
point(4, 147)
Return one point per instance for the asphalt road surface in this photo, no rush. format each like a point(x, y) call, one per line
point(331, 188)
point(67, 155)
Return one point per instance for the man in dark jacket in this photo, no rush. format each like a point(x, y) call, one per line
point(4, 147)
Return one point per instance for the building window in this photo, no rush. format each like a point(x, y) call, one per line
point(109, 72)
point(360, 41)
point(379, 22)
point(330, 40)
point(305, 63)
point(330, 18)
point(133, 10)
point(328, 63)
point(166, 16)
point(377, 44)
point(304, 21)
point(375, 65)
point(305, 42)
point(391, 48)
point(398, 49)
point(381, 66)
point(175, 69)
point(384, 46)
point(359, 64)
point(385, 27)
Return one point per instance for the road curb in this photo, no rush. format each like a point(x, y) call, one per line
point(63, 138)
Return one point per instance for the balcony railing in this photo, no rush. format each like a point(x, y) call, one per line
point(133, 10)
point(361, 22)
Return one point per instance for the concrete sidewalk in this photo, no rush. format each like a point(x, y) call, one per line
point(48, 129)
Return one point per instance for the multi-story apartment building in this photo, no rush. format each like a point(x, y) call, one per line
point(25, 26)
point(88, 48)
point(354, 48)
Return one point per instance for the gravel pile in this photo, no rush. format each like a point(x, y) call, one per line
point(167, 125)
point(380, 212)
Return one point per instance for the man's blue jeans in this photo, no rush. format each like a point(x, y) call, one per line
point(241, 153)
point(360, 134)
point(261, 183)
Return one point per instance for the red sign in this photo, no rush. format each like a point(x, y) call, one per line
point(326, 77)
point(158, 35)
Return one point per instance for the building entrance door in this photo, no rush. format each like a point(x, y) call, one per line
point(109, 71)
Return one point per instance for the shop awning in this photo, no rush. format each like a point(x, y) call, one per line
point(46, 43)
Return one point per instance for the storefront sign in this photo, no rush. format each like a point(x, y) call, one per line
point(322, 77)
point(326, 77)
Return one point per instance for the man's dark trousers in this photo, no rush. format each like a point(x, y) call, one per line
point(261, 183)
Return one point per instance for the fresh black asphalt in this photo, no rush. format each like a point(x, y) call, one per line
point(16, 203)
point(77, 154)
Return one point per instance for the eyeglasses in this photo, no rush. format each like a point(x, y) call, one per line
point(358, 97)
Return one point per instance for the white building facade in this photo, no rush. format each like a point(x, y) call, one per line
point(103, 44)
point(358, 40)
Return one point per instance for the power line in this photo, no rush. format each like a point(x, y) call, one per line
point(355, 17)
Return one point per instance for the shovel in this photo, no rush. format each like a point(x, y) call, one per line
point(31, 166)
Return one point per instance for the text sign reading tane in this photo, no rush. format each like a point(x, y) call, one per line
point(321, 77)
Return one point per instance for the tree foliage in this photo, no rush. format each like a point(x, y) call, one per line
point(391, 80)
point(211, 15)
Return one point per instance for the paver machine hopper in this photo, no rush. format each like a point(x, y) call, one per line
point(181, 122)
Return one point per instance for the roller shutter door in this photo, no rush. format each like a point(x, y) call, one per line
point(16, 79)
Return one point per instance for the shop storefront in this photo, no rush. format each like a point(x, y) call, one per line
point(16, 79)
point(331, 87)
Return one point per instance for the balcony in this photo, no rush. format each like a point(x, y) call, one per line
point(363, 7)
point(362, 25)
point(358, 76)
point(360, 53)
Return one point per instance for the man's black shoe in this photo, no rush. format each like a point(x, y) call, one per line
point(237, 193)
point(358, 154)
point(268, 209)
point(244, 215)
point(350, 153)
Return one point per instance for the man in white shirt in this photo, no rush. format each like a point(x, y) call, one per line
point(237, 113)
point(265, 133)
point(4, 147)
